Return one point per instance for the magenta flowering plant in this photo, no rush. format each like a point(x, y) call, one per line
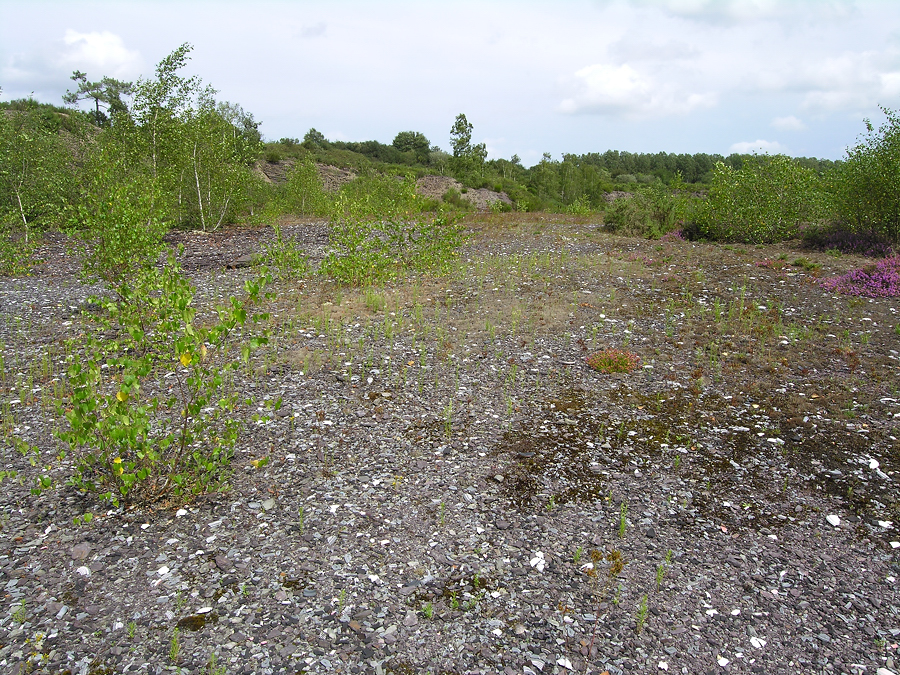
point(879, 280)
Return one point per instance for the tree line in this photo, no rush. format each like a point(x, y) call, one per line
point(165, 152)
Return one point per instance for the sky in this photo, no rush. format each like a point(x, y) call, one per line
point(571, 76)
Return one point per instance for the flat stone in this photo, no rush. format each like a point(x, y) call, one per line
point(80, 551)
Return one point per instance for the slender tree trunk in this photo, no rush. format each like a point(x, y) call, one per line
point(199, 191)
point(22, 213)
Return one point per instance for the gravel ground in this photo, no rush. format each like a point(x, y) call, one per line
point(450, 489)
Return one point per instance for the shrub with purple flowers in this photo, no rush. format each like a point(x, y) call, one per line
point(613, 361)
point(880, 280)
point(674, 235)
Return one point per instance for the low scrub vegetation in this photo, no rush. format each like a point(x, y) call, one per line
point(118, 180)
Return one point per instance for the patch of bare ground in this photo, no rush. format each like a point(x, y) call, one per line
point(451, 488)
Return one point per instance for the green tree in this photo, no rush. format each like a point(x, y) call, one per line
point(108, 92)
point(766, 200)
point(315, 139)
point(159, 104)
point(543, 180)
point(35, 171)
point(218, 176)
point(121, 215)
point(414, 142)
point(866, 186)
point(468, 160)
point(199, 152)
point(304, 194)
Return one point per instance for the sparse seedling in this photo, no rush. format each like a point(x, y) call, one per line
point(641, 618)
point(623, 519)
point(174, 647)
point(19, 615)
point(577, 557)
point(428, 610)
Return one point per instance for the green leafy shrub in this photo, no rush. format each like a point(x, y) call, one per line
point(368, 252)
point(120, 218)
point(16, 250)
point(453, 197)
point(36, 173)
point(303, 194)
point(374, 196)
point(286, 257)
point(866, 186)
point(137, 438)
point(580, 207)
point(629, 216)
point(767, 200)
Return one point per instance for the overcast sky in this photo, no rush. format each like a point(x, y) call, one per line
point(571, 76)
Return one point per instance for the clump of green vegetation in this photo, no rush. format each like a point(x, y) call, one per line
point(767, 200)
point(613, 361)
point(131, 447)
point(864, 187)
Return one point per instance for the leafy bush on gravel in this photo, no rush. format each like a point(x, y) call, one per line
point(767, 200)
point(148, 415)
point(286, 256)
point(303, 194)
point(374, 236)
point(120, 218)
point(651, 213)
point(866, 186)
point(367, 252)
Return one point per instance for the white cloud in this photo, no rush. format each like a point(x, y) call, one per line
point(789, 123)
point(849, 81)
point(730, 12)
point(746, 147)
point(316, 30)
point(607, 89)
point(99, 54)
point(627, 50)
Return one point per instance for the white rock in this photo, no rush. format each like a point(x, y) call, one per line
point(162, 571)
point(886, 524)
point(83, 571)
point(873, 464)
point(895, 544)
point(663, 665)
point(884, 671)
point(833, 519)
point(204, 610)
point(565, 663)
point(268, 504)
point(538, 561)
point(758, 643)
point(180, 512)
point(722, 661)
